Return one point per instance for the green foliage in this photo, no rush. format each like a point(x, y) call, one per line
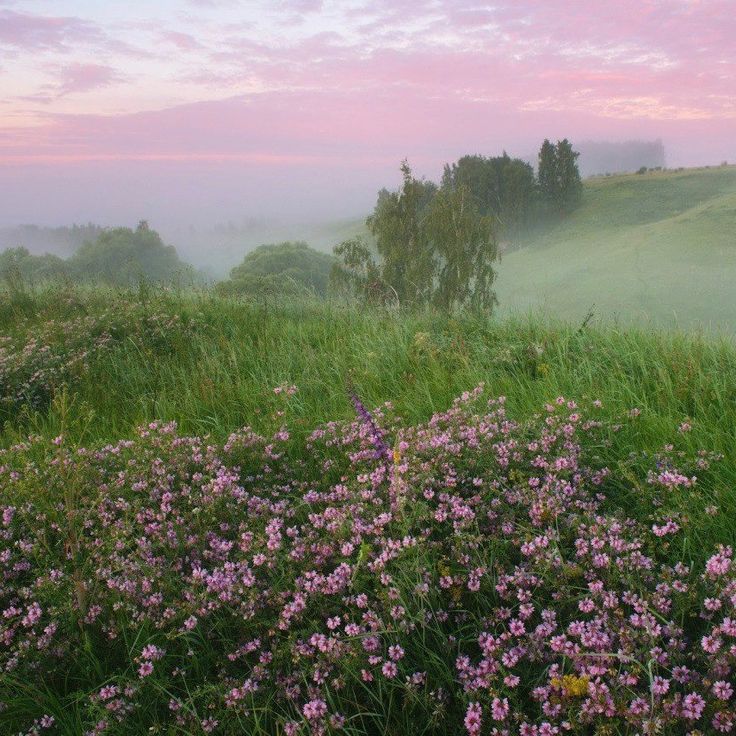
point(570, 187)
point(122, 256)
point(406, 257)
point(211, 366)
point(17, 264)
point(559, 178)
point(464, 243)
point(283, 269)
point(119, 257)
point(501, 186)
point(434, 248)
point(547, 172)
point(214, 370)
point(357, 273)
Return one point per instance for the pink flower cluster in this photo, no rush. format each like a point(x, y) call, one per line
point(480, 580)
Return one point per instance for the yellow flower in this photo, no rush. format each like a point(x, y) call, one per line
point(571, 685)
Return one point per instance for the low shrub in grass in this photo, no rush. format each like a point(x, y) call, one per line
point(465, 575)
point(41, 359)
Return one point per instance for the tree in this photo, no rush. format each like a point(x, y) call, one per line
point(547, 174)
point(288, 268)
point(465, 247)
point(406, 258)
point(570, 187)
point(519, 196)
point(501, 186)
point(18, 264)
point(558, 175)
point(123, 256)
point(433, 247)
point(356, 272)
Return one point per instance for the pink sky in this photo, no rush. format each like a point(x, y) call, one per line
point(239, 107)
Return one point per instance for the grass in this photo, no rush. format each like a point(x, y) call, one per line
point(656, 248)
point(134, 519)
point(221, 377)
point(651, 249)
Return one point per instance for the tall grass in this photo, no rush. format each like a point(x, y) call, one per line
point(91, 535)
point(220, 375)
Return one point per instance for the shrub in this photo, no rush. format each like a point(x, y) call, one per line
point(124, 257)
point(281, 269)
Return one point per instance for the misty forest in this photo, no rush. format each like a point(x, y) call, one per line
point(367, 368)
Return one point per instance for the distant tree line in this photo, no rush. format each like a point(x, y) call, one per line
point(61, 241)
point(431, 244)
point(607, 157)
point(118, 256)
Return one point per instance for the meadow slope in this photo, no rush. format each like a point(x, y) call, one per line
point(653, 248)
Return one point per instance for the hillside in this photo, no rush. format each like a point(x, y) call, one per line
point(658, 247)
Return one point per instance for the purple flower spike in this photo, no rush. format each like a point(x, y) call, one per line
point(382, 449)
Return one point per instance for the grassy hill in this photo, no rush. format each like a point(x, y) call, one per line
point(658, 247)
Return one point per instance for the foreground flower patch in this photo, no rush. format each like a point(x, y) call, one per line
point(470, 575)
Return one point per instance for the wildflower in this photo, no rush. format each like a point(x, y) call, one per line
point(145, 669)
point(473, 719)
point(389, 669)
point(395, 652)
point(693, 706)
point(382, 449)
point(500, 709)
point(722, 690)
point(315, 709)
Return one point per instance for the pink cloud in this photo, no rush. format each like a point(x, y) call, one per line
point(27, 31)
point(182, 41)
point(430, 80)
point(85, 77)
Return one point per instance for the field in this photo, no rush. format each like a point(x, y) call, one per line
point(214, 522)
point(654, 248)
point(648, 249)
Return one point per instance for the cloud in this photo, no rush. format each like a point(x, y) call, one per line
point(429, 79)
point(34, 32)
point(182, 41)
point(75, 79)
point(85, 77)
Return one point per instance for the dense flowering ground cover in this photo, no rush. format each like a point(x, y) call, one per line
point(469, 575)
point(41, 358)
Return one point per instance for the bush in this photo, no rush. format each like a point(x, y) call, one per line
point(18, 264)
point(124, 257)
point(283, 269)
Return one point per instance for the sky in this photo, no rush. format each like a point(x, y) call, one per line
point(201, 111)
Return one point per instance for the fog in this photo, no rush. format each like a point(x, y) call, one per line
point(214, 212)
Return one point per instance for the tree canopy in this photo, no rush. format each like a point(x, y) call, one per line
point(119, 256)
point(433, 247)
point(123, 256)
point(19, 263)
point(288, 268)
point(501, 187)
point(559, 178)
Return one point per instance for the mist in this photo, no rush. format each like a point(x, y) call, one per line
point(215, 212)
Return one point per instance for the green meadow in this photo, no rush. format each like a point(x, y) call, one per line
point(653, 248)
